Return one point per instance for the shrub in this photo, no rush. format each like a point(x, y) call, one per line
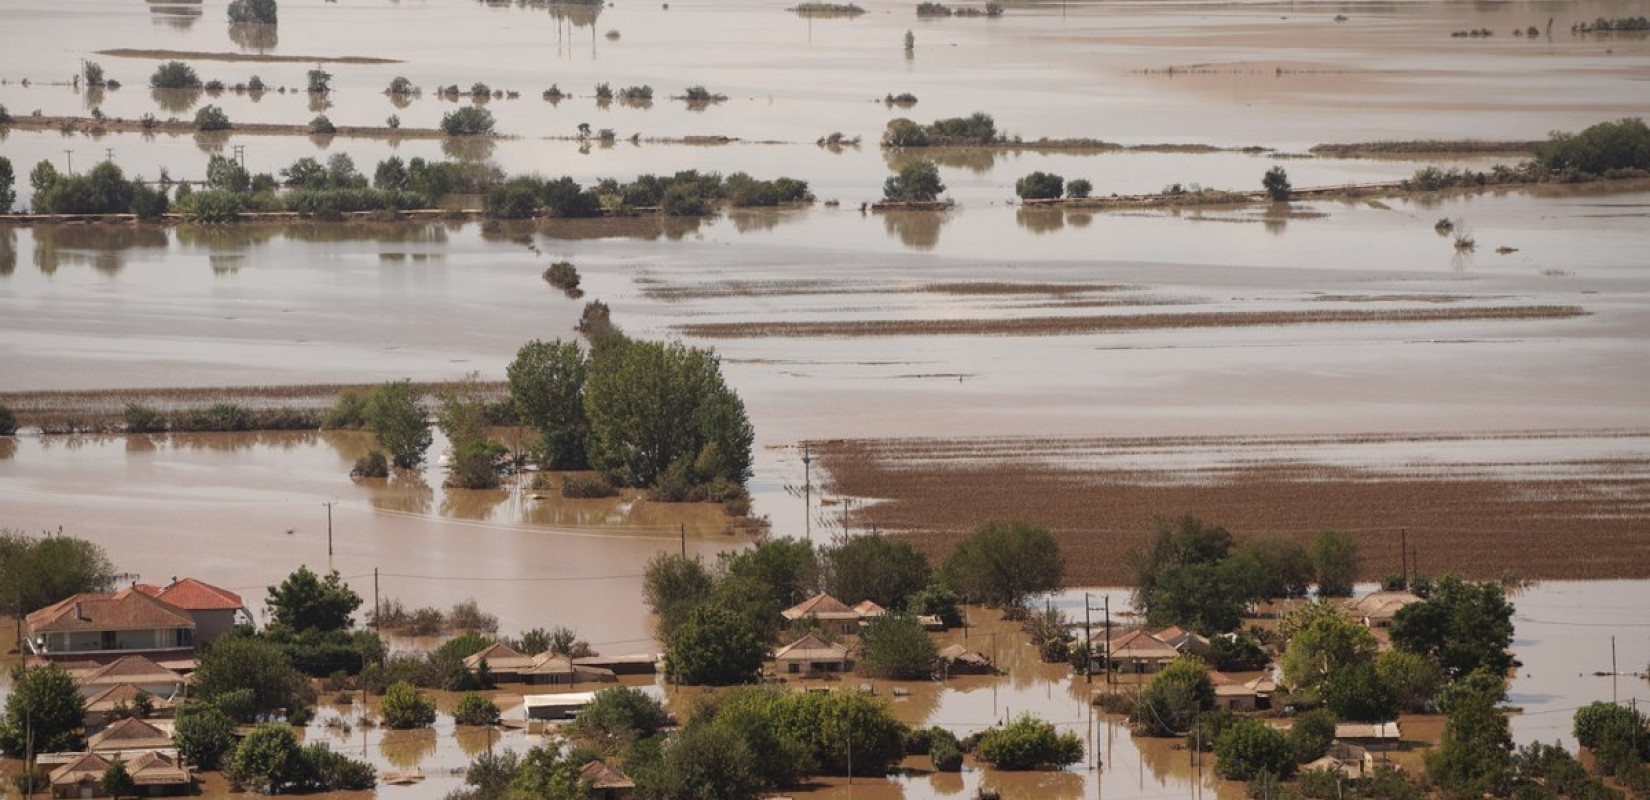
point(604, 92)
point(372, 465)
point(636, 93)
point(584, 488)
point(406, 707)
point(211, 118)
point(518, 198)
point(174, 75)
point(1312, 734)
point(1276, 184)
point(904, 133)
point(1040, 186)
point(562, 275)
point(946, 754)
point(213, 87)
point(474, 709)
point(467, 615)
point(897, 647)
point(699, 94)
point(681, 201)
point(8, 421)
point(322, 126)
point(255, 84)
point(468, 121)
point(918, 182)
point(1079, 188)
point(978, 127)
point(143, 419)
point(400, 86)
point(259, 11)
point(1622, 144)
point(1249, 748)
point(1028, 743)
point(1175, 697)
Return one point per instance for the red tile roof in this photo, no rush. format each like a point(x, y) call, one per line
point(125, 610)
point(193, 595)
point(129, 669)
point(128, 734)
point(821, 606)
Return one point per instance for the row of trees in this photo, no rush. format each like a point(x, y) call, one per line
point(686, 193)
point(976, 128)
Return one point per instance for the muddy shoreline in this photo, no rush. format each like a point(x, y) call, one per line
point(198, 55)
point(91, 126)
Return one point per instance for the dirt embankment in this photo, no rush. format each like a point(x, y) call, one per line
point(1426, 147)
point(92, 126)
point(199, 55)
point(1566, 520)
point(1114, 323)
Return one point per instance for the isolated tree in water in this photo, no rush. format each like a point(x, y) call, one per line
point(394, 417)
point(1276, 184)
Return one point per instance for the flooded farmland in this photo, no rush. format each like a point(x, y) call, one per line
point(1279, 367)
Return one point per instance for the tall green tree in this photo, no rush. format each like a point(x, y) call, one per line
point(789, 568)
point(1004, 563)
point(704, 761)
point(394, 417)
point(1207, 598)
point(1474, 756)
point(38, 571)
point(268, 760)
point(8, 185)
point(1356, 692)
point(1029, 743)
point(1328, 645)
point(831, 725)
point(308, 602)
point(896, 646)
point(1335, 556)
point(547, 387)
point(673, 587)
point(1249, 747)
point(658, 407)
point(714, 647)
point(117, 782)
point(877, 568)
point(1462, 627)
point(1185, 540)
point(45, 703)
point(256, 673)
point(204, 734)
point(1288, 565)
point(1175, 698)
point(462, 417)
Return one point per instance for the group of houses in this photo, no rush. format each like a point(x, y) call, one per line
point(813, 655)
point(130, 652)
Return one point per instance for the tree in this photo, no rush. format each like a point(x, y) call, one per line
point(1412, 678)
point(1040, 186)
point(104, 189)
point(616, 718)
point(204, 734)
point(673, 587)
point(1186, 540)
point(788, 568)
point(462, 417)
point(174, 75)
point(547, 387)
point(876, 568)
point(1079, 188)
point(391, 175)
point(255, 11)
point(475, 709)
point(897, 647)
point(224, 173)
point(1175, 697)
point(268, 760)
point(1207, 598)
point(305, 602)
point(8, 420)
point(704, 761)
point(211, 118)
point(468, 121)
point(904, 133)
point(1005, 563)
point(1620, 144)
point(1327, 646)
point(395, 419)
point(1356, 692)
point(320, 81)
point(1248, 748)
point(8, 192)
point(1312, 734)
point(1599, 723)
point(256, 672)
point(714, 647)
point(1335, 556)
point(1474, 755)
point(117, 782)
point(36, 572)
point(46, 704)
point(1028, 743)
point(832, 725)
point(918, 182)
point(752, 601)
point(1276, 184)
point(1287, 564)
point(405, 707)
point(1462, 627)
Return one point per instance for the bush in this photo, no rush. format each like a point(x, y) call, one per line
point(1276, 184)
point(578, 487)
point(1175, 698)
point(1249, 748)
point(562, 275)
point(212, 206)
point(204, 734)
point(174, 75)
point(1312, 734)
point(946, 754)
point(320, 81)
point(322, 126)
point(467, 615)
point(401, 86)
point(143, 419)
point(1040, 186)
point(405, 707)
point(681, 201)
point(904, 133)
point(516, 199)
point(919, 182)
point(474, 709)
point(1028, 743)
point(372, 465)
point(259, 11)
point(211, 118)
point(978, 127)
point(1079, 188)
point(467, 121)
point(1622, 144)
point(8, 421)
point(897, 647)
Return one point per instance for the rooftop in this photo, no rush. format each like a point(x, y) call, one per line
point(820, 606)
point(125, 610)
point(193, 595)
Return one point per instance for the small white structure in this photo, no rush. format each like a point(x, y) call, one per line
point(566, 705)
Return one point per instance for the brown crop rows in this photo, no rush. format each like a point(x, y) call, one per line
point(1582, 519)
point(104, 409)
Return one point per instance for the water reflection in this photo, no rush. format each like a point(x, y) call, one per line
point(102, 247)
point(946, 784)
point(1040, 219)
point(978, 160)
point(254, 37)
point(1052, 785)
point(477, 504)
point(746, 221)
point(467, 148)
point(407, 749)
point(139, 443)
point(8, 251)
point(180, 14)
point(8, 447)
point(918, 230)
point(475, 740)
point(176, 101)
point(94, 97)
point(405, 492)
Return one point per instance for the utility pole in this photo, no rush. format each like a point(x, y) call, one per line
point(328, 504)
point(807, 494)
point(69, 161)
point(377, 608)
point(681, 528)
point(1107, 665)
point(846, 503)
point(1612, 669)
point(108, 154)
point(1088, 642)
point(1403, 555)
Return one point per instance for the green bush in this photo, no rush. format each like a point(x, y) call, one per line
point(475, 709)
point(102, 190)
point(1079, 188)
point(1619, 145)
point(372, 465)
point(143, 419)
point(519, 198)
point(401, 86)
point(406, 707)
point(322, 126)
point(584, 488)
point(1028, 743)
point(320, 81)
point(8, 421)
point(1249, 748)
point(897, 647)
point(467, 121)
point(1312, 734)
point(918, 182)
point(904, 133)
point(1040, 186)
point(211, 118)
point(1276, 184)
point(978, 128)
point(1175, 698)
point(174, 75)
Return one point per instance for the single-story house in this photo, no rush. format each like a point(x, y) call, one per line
point(1374, 736)
point(214, 610)
point(869, 610)
point(137, 671)
point(1140, 653)
point(101, 707)
point(1184, 640)
point(1232, 694)
point(1377, 610)
point(159, 774)
point(933, 623)
point(503, 662)
point(831, 614)
point(129, 735)
point(634, 664)
point(960, 660)
point(506, 665)
point(82, 777)
point(100, 626)
point(606, 782)
point(555, 706)
point(811, 655)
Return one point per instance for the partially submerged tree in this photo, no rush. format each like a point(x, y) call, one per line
point(44, 712)
point(393, 416)
point(1004, 563)
point(306, 601)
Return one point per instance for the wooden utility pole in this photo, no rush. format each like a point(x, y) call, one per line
point(1088, 642)
point(807, 494)
point(1403, 555)
point(1107, 663)
point(377, 608)
point(681, 528)
point(328, 504)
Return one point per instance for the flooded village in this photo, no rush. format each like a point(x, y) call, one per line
point(437, 399)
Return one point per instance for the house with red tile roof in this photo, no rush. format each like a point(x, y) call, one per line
point(137, 671)
point(831, 614)
point(101, 626)
point(214, 610)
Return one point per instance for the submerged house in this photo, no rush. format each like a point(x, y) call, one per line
point(1377, 610)
point(811, 655)
point(1140, 653)
point(959, 660)
point(129, 736)
point(214, 610)
point(507, 665)
point(100, 626)
point(606, 782)
point(832, 614)
point(138, 672)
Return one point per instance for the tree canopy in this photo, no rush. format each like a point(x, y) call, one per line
point(547, 387)
point(714, 647)
point(36, 572)
point(394, 417)
point(1005, 563)
point(253, 675)
point(878, 568)
point(1462, 627)
point(1335, 556)
point(896, 646)
point(307, 602)
point(46, 702)
point(1029, 743)
point(1328, 645)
